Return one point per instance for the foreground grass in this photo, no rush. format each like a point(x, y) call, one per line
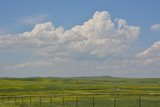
point(84, 102)
point(104, 89)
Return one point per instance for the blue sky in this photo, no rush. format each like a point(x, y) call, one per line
point(70, 13)
point(18, 55)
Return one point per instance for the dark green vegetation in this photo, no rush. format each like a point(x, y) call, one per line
point(103, 89)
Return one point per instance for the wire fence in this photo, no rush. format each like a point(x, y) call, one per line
point(79, 101)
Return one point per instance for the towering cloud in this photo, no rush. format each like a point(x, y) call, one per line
point(99, 44)
point(97, 37)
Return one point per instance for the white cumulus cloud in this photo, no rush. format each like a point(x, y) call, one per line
point(151, 55)
point(96, 37)
point(99, 44)
point(155, 27)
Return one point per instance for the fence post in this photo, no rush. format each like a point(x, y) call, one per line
point(15, 99)
point(30, 99)
point(51, 100)
point(76, 101)
point(139, 101)
point(22, 99)
point(3, 100)
point(93, 102)
point(40, 100)
point(114, 102)
point(8, 99)
point(63, 101)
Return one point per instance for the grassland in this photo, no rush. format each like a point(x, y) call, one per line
point(79, 85)
point(103, 89)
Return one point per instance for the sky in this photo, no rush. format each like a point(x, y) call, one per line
point(64, 38)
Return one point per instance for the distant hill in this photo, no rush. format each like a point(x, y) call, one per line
point(91, 77)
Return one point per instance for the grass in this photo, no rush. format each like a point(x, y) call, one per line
point(125, 90)
point(83, 102)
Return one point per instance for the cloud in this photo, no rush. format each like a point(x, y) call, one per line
point(42, 64)
point(97, 37)
point(32, 20)
point(155, 27)
point(153, 51)
point(151, 55)
point(3, 31)
point(32, 64)
point(98, 46)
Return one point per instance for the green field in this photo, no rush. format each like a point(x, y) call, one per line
point(103, 90)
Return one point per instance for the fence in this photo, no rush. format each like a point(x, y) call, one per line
point(79, 101)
